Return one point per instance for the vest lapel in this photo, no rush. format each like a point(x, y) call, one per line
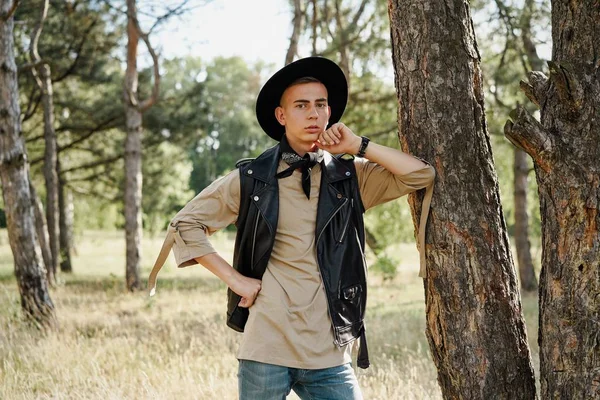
point(265, 195)
point(330, 198)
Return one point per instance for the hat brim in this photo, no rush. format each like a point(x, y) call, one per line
point(323, 69)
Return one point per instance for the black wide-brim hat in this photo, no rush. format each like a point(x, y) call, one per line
point(320, 68)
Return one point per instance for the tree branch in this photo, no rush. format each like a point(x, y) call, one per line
point(537, 88)
point(93, 164)
point(33, 64)
point(32, 104)
point(315, 22)
point(359, 13)
point(383, 132)
point(297, 28)
point(36, 60)
point(100, 127)
point(526, 133)
point(179, 10)
point(146, 104)
point(529, 47)
point(91, 193)
point(71, 68)
point(9, 13)
point(510, 29)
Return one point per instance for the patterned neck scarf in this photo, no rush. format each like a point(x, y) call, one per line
point(294, 161)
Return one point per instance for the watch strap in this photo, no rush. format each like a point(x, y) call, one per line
point(363, 146)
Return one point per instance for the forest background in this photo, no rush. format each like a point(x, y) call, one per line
point(198, 121)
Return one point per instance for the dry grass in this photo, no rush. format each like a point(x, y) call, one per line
point(115, 345)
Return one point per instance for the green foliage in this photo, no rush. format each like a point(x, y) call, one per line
point(204, 120)
point(79, 41)
point(96, 213)
point(387, 266)
point(231, 126)
point(208, 110)
point(500, 28)
point(345, 30)
point(390, 223)
point(166, 172)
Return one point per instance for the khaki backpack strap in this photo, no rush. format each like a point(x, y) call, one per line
point(423, 224)
point(160, 260)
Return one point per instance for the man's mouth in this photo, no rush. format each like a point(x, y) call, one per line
point(313, 128)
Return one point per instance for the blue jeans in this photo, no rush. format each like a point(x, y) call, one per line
point(260, 381)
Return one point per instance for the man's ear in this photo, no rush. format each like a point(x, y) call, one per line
point(279, 115)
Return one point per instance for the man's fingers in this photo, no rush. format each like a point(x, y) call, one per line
point(338, 130)
point(329, 137)
point(245, 302)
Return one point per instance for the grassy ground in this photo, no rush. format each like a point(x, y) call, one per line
point(115, 345)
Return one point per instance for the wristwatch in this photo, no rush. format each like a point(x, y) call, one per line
point(363, 146)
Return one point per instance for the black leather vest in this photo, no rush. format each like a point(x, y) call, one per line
point(339, 236)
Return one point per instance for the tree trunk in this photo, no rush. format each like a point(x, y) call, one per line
point(133, 196)
point(43, 79)
point(315, 25)
point(565, 147)
point(133, 156)
point(65, 205)
point(41, 230)
point(297, 23)
point(521, 170)
point(372, 242)
point(526, 270)
point(475, 325)
point(342, 33)
point(50, 176)
point(14, 174)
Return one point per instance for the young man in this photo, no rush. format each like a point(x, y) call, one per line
point(297, 287)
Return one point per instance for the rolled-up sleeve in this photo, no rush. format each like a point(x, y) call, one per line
point(378, 185)
point(214, 208)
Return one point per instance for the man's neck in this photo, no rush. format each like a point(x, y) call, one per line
point(301, 148)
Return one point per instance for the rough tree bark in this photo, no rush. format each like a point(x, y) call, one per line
point(14, 174)
point(41, 73)
point(475, 325)
point(565, 147)
point(134, 109)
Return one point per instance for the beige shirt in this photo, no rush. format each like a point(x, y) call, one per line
point(289, 323)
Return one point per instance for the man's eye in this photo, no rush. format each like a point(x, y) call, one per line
point(322, 105)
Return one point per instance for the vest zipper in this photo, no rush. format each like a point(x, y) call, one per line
point(254, 238)
point(347, 221)
point(336, 340)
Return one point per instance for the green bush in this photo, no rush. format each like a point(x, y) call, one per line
point(387, 267)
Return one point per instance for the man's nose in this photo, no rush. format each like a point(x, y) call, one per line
point(314, 113)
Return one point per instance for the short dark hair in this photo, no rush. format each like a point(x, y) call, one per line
point(300, 81)
point(304, 79)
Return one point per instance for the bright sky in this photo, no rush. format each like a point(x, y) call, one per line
point(253, 29)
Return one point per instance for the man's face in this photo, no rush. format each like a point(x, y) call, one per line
point(304, 113)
